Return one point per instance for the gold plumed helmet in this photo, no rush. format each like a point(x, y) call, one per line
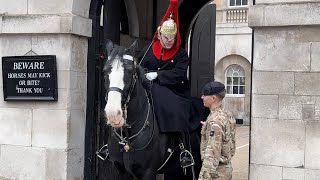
point(168, 28)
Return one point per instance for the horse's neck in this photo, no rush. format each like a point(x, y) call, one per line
point(138, 103)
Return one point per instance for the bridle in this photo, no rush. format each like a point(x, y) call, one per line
point(131, 88)
point(124, 138)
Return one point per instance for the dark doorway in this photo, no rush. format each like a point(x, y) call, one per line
point(122, 22)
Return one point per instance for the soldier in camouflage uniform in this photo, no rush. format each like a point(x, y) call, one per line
point(217, 135)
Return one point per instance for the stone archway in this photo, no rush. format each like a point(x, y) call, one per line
point(239, 105)
point(142, 19)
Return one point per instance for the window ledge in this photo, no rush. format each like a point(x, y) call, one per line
point(235, 95)
point(238, 7)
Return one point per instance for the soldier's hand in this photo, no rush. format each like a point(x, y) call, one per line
point(203, 123)
point(204, 175)
point(203, 127)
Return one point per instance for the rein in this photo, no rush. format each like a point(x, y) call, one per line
point(125, 139)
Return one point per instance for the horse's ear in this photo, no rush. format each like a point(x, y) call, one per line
point(133, 47)
point(109, 46)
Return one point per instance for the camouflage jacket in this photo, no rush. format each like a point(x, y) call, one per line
point(217, 141)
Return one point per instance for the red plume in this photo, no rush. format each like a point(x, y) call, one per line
point(156, 47)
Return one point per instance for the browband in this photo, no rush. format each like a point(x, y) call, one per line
point(127, 57)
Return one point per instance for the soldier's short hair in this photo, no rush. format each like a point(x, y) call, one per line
point(221, 95)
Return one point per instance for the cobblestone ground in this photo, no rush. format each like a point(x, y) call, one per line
point(240, 161)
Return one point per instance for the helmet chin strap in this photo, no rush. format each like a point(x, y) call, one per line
point(162, 44)
point(161, 41)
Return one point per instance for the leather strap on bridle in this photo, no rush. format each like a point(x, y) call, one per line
point(132, 86)
point(116, 89)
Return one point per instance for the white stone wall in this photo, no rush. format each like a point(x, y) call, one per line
point(285, 136)
point(233, 39)
point(45, 140)
point(233, 46)
point(238, 105)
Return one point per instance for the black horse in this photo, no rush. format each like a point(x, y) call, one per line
point(135, 145)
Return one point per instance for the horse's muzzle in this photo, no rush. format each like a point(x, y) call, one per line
point(115, 119)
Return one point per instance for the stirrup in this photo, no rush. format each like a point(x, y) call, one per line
point(103, 152)
point(186, 159)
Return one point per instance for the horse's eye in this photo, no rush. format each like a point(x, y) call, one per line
point(107, 69)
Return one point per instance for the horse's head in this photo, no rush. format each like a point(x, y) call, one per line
point(120, 77)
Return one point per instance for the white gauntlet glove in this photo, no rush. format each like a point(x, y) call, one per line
point(151, 75)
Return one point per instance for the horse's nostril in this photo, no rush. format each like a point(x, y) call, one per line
point(118, 113)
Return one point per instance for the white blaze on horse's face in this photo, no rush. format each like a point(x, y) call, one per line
point(113, 108)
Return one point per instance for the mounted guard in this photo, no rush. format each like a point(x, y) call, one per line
point(166, 65)
point(149, 107)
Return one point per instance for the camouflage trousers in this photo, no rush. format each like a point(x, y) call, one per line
point(224, 172)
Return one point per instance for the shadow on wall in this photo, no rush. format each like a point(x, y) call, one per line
point(236, 105)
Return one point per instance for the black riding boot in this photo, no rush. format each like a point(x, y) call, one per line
point(186, 159)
